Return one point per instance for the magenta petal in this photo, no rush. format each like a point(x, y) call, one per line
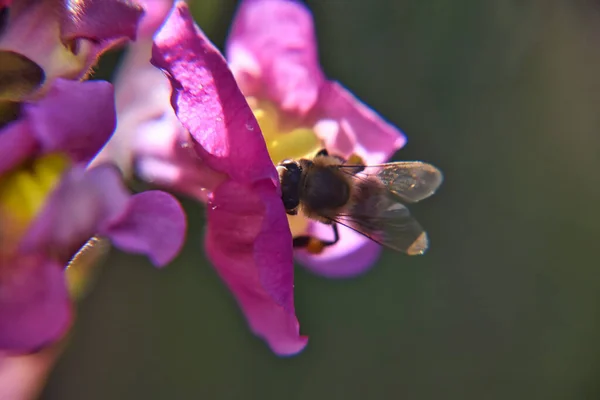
point(74, 117)
point(16, 145)
point(100, 20)
point(34, 304)
point(208, 101)
point(273, 41)
point(154, 224)
point(351, 256)
point(82, 202)
point(357, 128)
point(248, 240)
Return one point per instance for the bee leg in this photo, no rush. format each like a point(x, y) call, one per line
point(314, 245)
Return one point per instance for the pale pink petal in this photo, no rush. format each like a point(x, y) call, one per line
point(155, 12)
point(348, 126)
point(272, 50)
point(22, 377)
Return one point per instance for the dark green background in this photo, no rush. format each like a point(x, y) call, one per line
point(503, 96)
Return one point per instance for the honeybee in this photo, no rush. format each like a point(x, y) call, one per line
point(334, 191)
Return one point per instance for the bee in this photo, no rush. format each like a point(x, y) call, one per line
point(334, 191)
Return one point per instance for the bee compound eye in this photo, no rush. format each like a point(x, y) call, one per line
point(291, 204)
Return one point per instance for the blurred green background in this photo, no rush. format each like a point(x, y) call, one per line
point(503, 96)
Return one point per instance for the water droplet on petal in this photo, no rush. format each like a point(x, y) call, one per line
point(249, 126)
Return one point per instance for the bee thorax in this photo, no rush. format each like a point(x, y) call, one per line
point(326, 189)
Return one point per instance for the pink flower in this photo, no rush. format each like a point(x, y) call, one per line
point(272, 52)
point(46, 39)
point(51, 204)
point(248, 238)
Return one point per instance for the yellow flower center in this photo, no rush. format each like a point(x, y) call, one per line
point(296, 143)
point(23, 192)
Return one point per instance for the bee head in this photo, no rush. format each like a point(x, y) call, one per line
point(290, 174)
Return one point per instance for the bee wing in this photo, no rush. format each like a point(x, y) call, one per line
point(411, 181)
point(392, 227)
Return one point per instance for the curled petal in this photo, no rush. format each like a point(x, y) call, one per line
point(272, 47)
point(66, 37)
point(100, 20)
point(352, 255)
point(32, 30)
point(208, 101)
point(248, 241)
point(34, 304)
point(77, 118)
point(153, 224)
point(98, 25)
point(348, 126)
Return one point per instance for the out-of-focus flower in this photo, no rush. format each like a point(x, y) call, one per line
point(44, 39)
point(248, 238)
point(22, 377)
point(51, 204)
point(272, 51)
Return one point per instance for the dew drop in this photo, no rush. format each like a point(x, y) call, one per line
point(249, 126)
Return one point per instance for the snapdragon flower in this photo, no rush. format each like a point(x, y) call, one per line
point(272, 51)
point(248, 238)
point(51, 204)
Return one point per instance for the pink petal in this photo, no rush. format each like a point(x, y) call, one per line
point(248, 237)
point(272, 48)
point(66, 37)
point(348, 126)
point(154, 224)
point(34, 304)
point(100, 20)
point(352, 255)
point(74, 117)
point(83, 200)
point(155, 12)
point(208, 102)
point(16, 145)
point(248, 240)
point(22, 377)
